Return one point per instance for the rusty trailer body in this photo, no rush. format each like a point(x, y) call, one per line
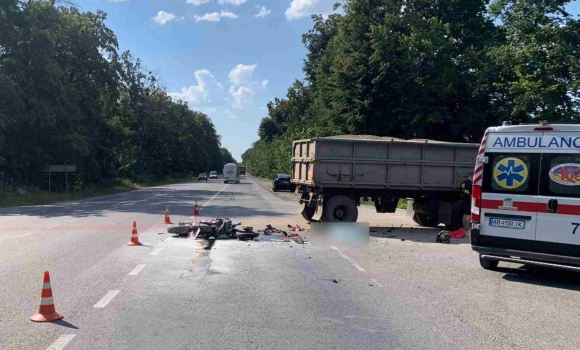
point(381, 169)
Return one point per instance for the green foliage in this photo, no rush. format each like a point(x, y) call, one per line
point(69, 97)
point(437, 69)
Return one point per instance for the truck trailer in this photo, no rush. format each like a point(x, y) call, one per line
point(333, 174)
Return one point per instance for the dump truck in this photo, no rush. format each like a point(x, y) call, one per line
point(334, 174)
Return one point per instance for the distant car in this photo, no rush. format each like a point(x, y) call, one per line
point(282, 182)
point(202, 176)
point(213, 175)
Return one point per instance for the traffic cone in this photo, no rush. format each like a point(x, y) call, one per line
point(46, 311)
point(167, 219)
point(134, 235)
point(195, 210)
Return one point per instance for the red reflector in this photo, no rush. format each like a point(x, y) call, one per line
point(545, 128)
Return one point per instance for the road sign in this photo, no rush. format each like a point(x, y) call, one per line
point(68, 168)
point(64, 168)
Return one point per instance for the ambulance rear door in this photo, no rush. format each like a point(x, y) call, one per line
point(558, 222)
point(510, 190)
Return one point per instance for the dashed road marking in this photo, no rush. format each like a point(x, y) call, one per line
point(356, 266)
point(215, 195)
point(27, 234)
point(156, 251)
point(61, 342)
point(136, 270)
point(107, 298)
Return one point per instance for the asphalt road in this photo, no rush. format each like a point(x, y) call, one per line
point(403, 291)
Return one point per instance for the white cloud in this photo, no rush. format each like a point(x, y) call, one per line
point(207, 90)
point(232, 2)
point(263, 11)
point(208, 17)
point(304, 8)
point(214, 16)
point(241, 95)
point(243, 86)
point(242, 73)
point(230, 114)
point(197, 2)
point(265, 83)
point(163, 17)
point(228, 14)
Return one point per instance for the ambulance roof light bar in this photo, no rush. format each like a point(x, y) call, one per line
point(543, 127)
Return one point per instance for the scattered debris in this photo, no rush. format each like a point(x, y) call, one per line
point(335, 280)
point(160, 233)
point(402, 239)
point(390, 231)
point(443, 237)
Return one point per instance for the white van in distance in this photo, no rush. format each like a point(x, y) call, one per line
point(526, 196)
point(231, 173)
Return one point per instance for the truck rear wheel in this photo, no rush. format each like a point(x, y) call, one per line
point(426, 220)
point(340, 209)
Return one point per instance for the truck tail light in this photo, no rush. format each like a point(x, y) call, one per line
point(475, 203)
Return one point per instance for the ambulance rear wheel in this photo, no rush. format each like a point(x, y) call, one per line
point(488, 264)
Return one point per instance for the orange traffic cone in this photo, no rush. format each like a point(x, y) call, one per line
point(134, 235)
point(46, 311)
point(167, 219)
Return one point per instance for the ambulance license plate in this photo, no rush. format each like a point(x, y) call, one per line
point(517, 224)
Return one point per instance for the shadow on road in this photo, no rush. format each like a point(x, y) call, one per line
point(542, 277)
point(65, 324)
point(180, 201)
point(422, 235)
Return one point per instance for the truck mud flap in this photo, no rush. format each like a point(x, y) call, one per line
point(318, 213)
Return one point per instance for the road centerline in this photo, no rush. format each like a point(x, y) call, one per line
point(156, 251)
point(107, 298)
point(215, 195)
point(61, 342)
point(136, 270)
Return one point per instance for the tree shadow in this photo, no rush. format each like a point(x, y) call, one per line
point(179, 201)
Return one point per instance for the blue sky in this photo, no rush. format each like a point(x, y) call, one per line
point(226, 58)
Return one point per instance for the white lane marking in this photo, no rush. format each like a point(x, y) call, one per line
point(107, 298)
point(27, 234)
point(215, 195)
point(356, 266)
point(31, 233)
point(376, 281)
point(61, 342)
point(136, 270)
point(156, 251)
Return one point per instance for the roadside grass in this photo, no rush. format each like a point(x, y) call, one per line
point(16, 197)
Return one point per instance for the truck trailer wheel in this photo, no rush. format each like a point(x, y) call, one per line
point(426, 220)
point(340, 209)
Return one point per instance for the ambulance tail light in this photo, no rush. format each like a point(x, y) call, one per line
point(475, 203)
point(544, 128)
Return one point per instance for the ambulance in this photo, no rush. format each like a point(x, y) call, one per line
point(526, 196)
